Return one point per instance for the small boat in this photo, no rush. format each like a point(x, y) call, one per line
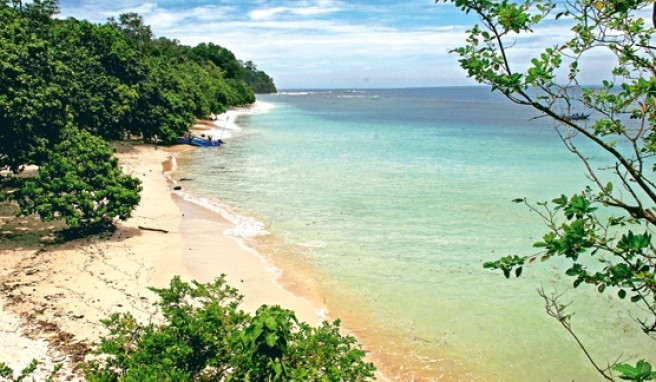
point(576, 116)
point(199, 141)
point(205, 142)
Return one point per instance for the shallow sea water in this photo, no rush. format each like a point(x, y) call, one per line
point(392, 200)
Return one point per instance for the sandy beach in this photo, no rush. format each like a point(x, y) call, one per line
point(53, 296)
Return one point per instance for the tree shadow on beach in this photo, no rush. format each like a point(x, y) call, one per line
point(30, 233)
point(24, 232)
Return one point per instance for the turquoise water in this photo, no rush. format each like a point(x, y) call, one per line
point(393, 199)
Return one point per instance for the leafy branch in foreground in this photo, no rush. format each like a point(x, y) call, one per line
point(8, 374)
point(205, 337)
point(605, 232)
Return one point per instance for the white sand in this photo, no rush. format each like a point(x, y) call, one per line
point(69, 288)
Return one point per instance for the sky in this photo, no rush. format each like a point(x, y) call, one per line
point(306, 44)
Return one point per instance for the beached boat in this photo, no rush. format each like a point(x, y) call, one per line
point(182, 141)
point(199, 141)
point(205, 142)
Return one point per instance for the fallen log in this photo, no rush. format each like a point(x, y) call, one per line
point(153, 229)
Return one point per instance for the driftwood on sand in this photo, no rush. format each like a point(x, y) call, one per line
point(153, 229)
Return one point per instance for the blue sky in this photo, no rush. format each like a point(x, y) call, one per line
point(317, 43)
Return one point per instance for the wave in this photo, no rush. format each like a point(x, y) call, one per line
point(245, 227)
point(304, 93)
point(225, 125)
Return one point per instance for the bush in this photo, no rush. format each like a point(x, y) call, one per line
point(80, 183)
point(205, 337)
point(8, 374)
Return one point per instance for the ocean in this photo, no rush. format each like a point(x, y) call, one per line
point(391, 200)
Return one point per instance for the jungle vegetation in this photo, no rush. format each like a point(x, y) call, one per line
point(71, 86)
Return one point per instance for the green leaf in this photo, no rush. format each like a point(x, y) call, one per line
point(271, 339)
point(490, 265)
point(5, 371)
point(518, 271)
point(641, 372)
point(277, 367)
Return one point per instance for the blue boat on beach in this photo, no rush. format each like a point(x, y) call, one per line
point(199, 141)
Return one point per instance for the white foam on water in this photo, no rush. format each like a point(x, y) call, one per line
point(244, 227)
point(303, 93)
point(226, 123)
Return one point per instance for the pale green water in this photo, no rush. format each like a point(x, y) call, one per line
point(395, 198)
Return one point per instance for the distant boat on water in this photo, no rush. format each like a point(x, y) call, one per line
point(576, 116)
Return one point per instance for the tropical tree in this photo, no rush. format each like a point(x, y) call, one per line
point(204, 336)
point(220, 57)
point(164, 108)
point(605, 231)
point(80, 183)
point(31, 91)
point(105, 71)
point(135, 28)
point(59, 77)
point(258, 80)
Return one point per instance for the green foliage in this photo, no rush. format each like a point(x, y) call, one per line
point(641, 372)
point(31, 109)
point(110, 80)
point(605, 232)
point(8, 374)
point(106, 69)
point(163, 107)
point(133, 26)
point(219, 56)
point(259, 81)
point(104, 79)
point(80, 183)
point(205, 337)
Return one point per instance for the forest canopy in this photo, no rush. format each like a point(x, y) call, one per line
point(112, 80)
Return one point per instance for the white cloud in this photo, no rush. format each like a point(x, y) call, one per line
point(312, 11)
point(266, 13)
point(325, 53)
point(144, 8)
point(272, 13)
point(317, 43)
point(210, 12)
point(300, 8)
point(161, 18)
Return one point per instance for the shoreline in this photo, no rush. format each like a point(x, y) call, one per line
point(291, 273)
point(277, 280)
point(61, 292)
point(210, 250)
point(53, 296)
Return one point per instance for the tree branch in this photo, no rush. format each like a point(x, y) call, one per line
point(557, 310)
